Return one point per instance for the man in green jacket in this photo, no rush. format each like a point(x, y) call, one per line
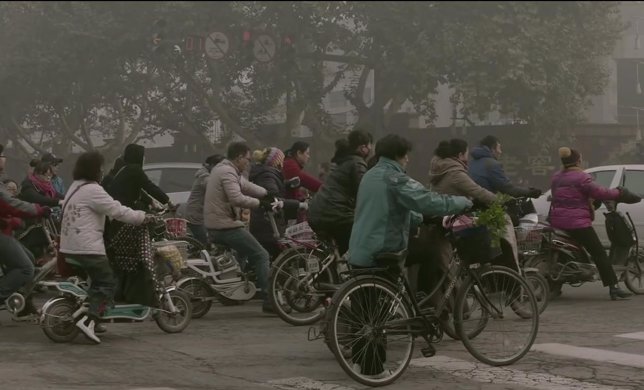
point(390, 202)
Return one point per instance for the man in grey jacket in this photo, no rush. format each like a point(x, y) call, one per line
point(227, 192)
point(193, 211)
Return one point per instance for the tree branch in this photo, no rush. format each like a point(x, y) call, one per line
point(23, 135)
point(67, 130)
point(17, 143)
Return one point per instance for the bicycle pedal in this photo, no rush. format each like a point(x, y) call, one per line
point(428, 351)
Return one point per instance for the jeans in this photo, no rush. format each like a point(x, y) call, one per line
point(587, 237)
point(18, 266)
point(103, 282)
point(246, 246)
point(199, 232)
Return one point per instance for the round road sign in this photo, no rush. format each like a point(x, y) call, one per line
point(217, 45)
point(264, 48)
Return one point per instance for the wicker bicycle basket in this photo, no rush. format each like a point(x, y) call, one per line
point(529, 239)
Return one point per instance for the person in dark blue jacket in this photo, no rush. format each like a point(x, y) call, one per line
point(487, 171)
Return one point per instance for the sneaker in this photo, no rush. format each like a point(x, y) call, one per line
point(86, 325)
point(99, 328)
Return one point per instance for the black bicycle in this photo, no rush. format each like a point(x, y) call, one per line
point(373, 319)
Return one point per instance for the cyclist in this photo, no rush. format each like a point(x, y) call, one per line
point(572, 211)
point(487, 171)
point(448, 175)
point(331, 210)
point(85, 208)
point(127, 184)
point(16, 260)
point(389, 201)
point(268, 175)
point(296, 158)
point(226, 192)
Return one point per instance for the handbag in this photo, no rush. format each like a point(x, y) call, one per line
point(62, 267)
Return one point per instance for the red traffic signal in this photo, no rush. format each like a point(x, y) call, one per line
point(246, 37)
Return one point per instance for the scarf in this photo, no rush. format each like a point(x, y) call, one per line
point(43, 186)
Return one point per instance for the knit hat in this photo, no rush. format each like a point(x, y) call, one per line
point(569, 156)
point(274, 157)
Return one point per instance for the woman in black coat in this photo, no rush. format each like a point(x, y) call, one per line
point(332, 209)
point(128, 182)
point(268, 174)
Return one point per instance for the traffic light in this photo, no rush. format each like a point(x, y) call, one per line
point(287, 48)
point(246, 38)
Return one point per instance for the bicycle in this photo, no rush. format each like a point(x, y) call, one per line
point(374, 311)
point(303, 276)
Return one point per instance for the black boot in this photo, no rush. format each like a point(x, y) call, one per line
point(617, 293)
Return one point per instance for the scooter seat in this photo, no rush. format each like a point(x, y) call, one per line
point(559, 232)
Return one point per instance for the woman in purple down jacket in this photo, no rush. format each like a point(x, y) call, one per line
point(572, 211)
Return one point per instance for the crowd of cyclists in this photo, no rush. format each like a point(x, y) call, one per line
point(366, 203)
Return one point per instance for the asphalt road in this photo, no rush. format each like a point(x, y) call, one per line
point(585, 342)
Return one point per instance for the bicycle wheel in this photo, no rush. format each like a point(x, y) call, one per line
point(365, 318)
point(506, 337)
point(540, 288)
point(634, 274)
point(292, 287)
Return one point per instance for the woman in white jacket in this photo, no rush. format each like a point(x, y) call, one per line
point(84, 210)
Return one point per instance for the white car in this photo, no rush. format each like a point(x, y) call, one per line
point(629, 176)
point(175, 179)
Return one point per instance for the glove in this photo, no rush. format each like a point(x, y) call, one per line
point(463, 202)
point(266, 202)
point(278, 204)
point(626, 196)
point(149, 218)
point(534, 192)
point(45, 212)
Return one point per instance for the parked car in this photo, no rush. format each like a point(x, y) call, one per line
point(629, 176)
point(175, 179)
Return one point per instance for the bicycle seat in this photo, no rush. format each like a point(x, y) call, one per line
point(550, 229)
point(389, 259)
